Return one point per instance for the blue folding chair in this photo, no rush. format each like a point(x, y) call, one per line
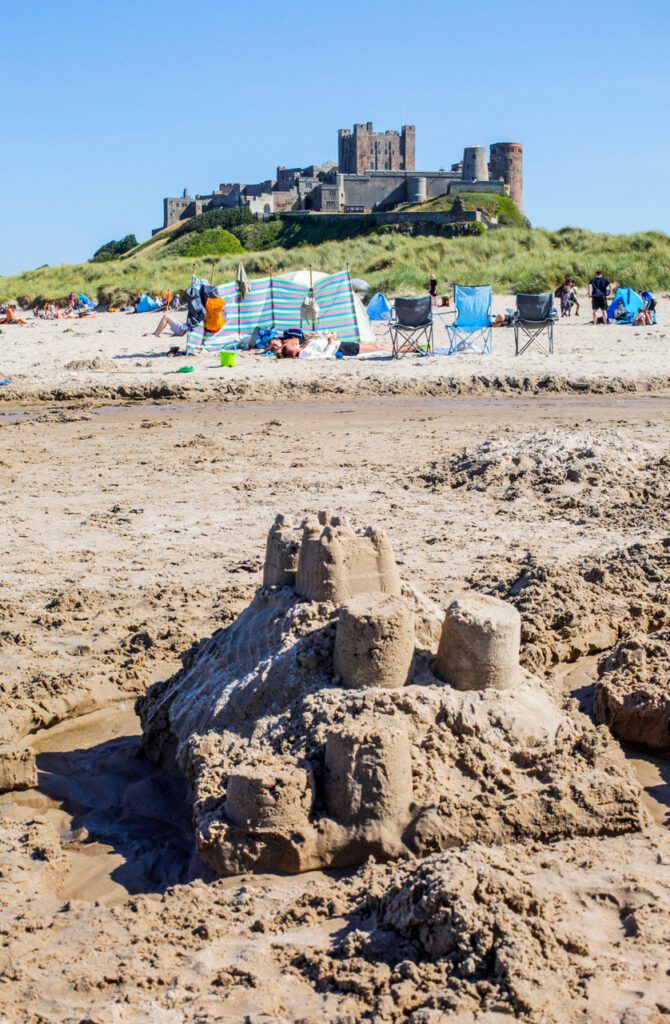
point(471, 330)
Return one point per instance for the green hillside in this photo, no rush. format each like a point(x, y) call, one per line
point(502, 207)
point(516, 259)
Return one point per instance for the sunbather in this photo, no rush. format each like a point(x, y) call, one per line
point(11, 317)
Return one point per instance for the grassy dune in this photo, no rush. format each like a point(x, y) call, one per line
point(514, 259)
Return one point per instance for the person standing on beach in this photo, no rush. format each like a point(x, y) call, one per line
point(432, 288)
point(599, 289)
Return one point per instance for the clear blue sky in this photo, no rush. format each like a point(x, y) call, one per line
point(111, 106)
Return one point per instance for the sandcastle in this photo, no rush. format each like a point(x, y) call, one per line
point(328, 723)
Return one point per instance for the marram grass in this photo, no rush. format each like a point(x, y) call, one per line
point(513, 259)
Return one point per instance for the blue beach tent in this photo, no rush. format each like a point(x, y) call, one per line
point(147, 305)
point(379, 307)
point(86, 301)
point(632, 304)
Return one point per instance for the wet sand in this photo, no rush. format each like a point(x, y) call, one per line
point(132, 532)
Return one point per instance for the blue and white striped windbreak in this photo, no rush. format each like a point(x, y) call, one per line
point(276, 302)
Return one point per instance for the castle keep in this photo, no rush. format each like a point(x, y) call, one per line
point(363, 149)
point(375, 171)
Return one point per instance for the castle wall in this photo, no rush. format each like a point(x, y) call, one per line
point(376, 171)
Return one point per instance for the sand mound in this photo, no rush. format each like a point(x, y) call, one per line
point(97, 363)
point(327, 723)
point(571, 611)
point(633, 692)
point(594, 472)
point(574, 932)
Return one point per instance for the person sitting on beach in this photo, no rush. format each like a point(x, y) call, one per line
point(599, 289)
point(196, 315)
point(176, 326)
point(11, 317)
point(620, 311)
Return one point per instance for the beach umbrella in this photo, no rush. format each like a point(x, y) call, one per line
point(358, 285)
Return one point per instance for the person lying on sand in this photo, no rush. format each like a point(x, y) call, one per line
point(11, 317)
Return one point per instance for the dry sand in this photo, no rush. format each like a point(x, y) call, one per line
point(115, 354)
point(133, 532)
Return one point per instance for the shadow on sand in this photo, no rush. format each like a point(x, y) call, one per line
point(125, 803)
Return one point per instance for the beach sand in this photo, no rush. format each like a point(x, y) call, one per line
point(133, 529)
point(115, 354)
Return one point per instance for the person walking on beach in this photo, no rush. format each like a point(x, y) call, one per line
point(599, 289)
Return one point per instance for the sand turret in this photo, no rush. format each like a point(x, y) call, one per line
point(374, 642)
point(336, 563)
point(479, 645)
point(368, 773)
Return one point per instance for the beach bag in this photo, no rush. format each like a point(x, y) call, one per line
point(215, 317)
point(310, 309)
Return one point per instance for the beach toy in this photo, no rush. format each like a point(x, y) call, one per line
point(228, 358)
point(184, 369)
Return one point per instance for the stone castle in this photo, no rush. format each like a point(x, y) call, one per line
point(375, 171)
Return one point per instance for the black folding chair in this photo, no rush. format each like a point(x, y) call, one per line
point(535, 314)
point(411, 326)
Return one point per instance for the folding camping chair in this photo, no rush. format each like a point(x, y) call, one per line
point(535, 314)
point(472, 327)
point(411, 326)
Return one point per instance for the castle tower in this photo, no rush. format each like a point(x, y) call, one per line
point(507, 163)
point(475, 166)
point(363, 149)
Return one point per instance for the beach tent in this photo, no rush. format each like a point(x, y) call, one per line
point(276, 302)
point(147, 305)
point(379, 307)
point(632, 303)
point(86, 301)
